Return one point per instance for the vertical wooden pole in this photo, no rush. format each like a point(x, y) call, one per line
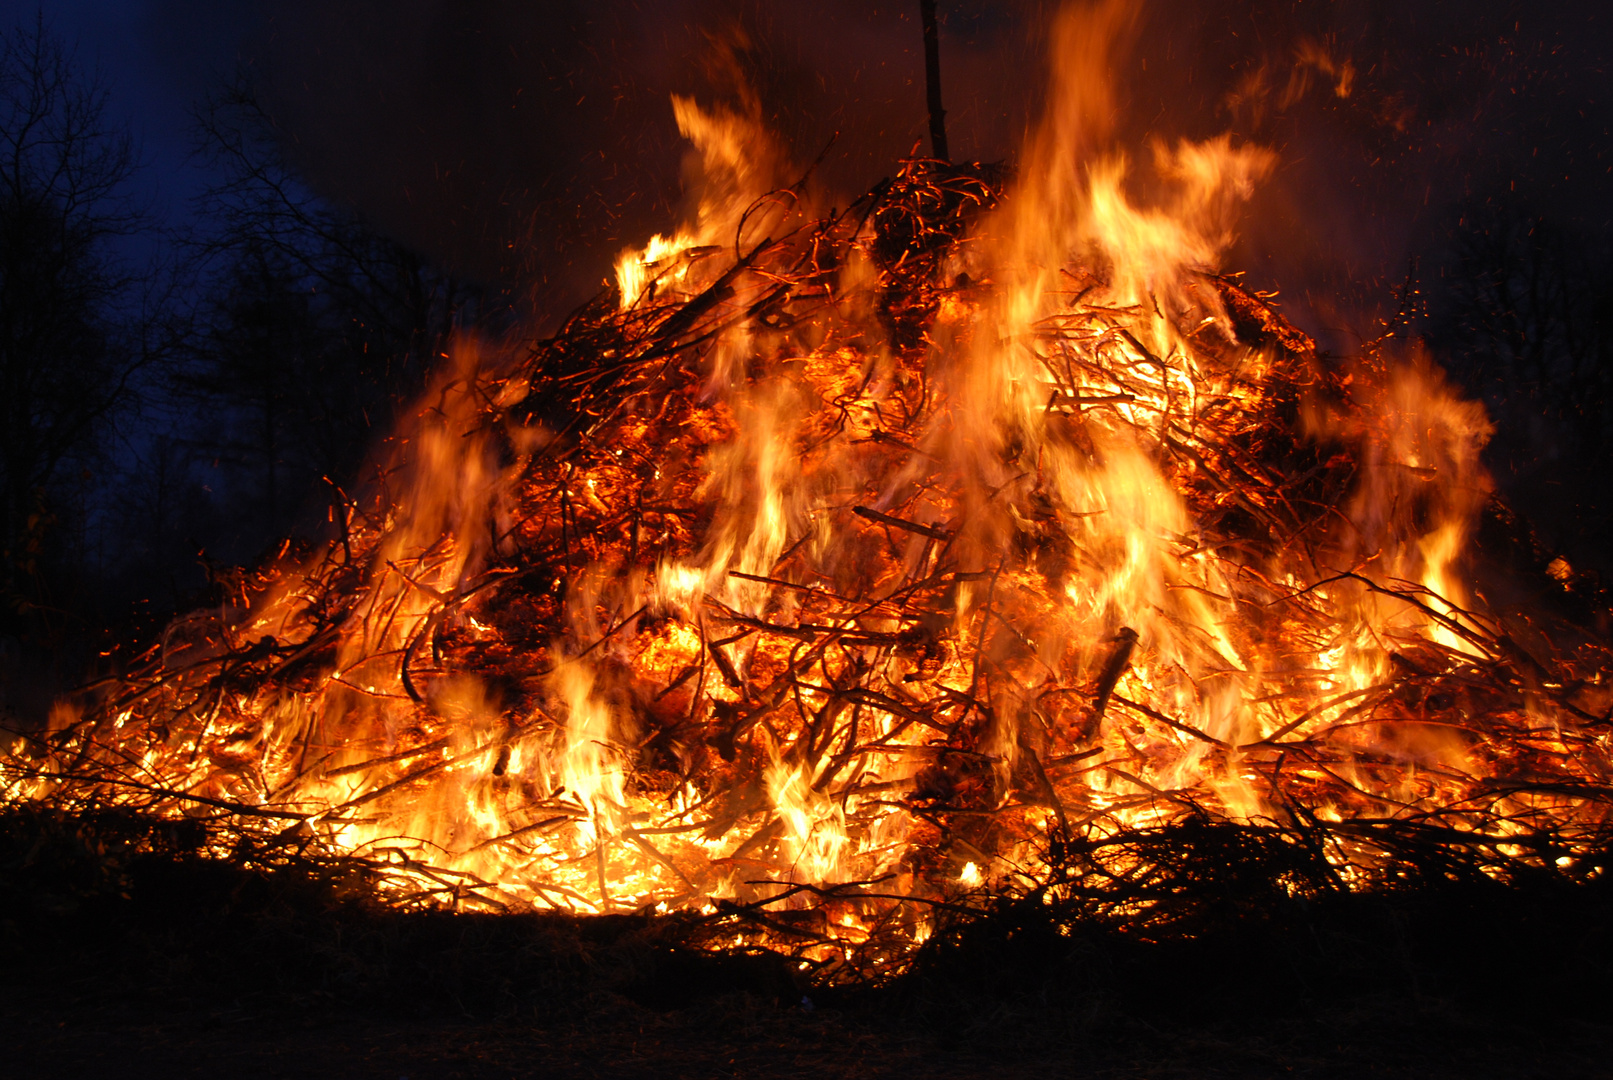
point(932, 80)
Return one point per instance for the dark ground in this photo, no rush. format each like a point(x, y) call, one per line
point(742, 1039)
point(125, 954)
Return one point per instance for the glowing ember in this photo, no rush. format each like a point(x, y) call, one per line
point(838, 564)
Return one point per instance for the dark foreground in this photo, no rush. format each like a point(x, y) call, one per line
point(739, 1039)
point(118, 962)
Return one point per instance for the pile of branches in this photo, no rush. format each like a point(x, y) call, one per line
point(896, 627)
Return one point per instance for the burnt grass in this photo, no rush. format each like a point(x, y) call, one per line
point(126, 952)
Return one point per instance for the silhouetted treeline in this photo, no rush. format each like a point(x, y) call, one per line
point(191, 405)
point(1522, 316)
point(311, 328)
point(73, 331)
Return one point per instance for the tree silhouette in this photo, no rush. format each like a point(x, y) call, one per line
point(1525, 320)
point(76, 323)
point(315, 325)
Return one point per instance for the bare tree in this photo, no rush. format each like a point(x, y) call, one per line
point(1526, 320)
point(385, 290)
point(74, 318)
point(316, 324)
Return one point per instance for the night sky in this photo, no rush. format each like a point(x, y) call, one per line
point(521, 139)
point(156, 58)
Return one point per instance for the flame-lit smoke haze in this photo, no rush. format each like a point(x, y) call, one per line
point(843, 560)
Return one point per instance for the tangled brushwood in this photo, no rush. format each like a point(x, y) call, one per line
point(835, 572)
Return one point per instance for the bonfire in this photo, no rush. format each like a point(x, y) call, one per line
point(838, 567)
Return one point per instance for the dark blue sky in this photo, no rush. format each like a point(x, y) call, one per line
point(156, 58)
point(462, 128)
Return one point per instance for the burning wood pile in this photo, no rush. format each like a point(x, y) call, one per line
point(835, 568)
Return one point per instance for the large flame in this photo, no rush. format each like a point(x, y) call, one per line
point(779, 585)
